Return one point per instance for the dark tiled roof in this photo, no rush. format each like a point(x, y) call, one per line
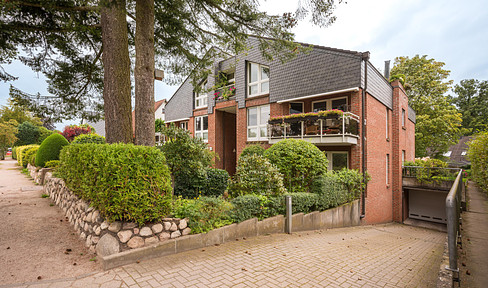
point(456, 158)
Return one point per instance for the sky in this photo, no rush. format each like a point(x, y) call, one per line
point(453, 32)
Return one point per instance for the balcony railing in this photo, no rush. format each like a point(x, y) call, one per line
point(225, 93)
point(334, 127)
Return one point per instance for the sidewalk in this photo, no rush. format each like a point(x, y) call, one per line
point(474, 253)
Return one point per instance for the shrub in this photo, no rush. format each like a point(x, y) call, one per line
point(52, 164)
point(50, 148)
point(431, 173)
point(478, 155)
point(123, 181)
point(303, 202)
point(43, 134)
point(216, 182)
point(14, 153)
point(89, 138)
point(253, 205)
point(71, 131)
point(256, 175)
point(27, 155)
point(203, 214)
point(253, 149)
point(20, 151)
point(27, 134)
point(299, 161)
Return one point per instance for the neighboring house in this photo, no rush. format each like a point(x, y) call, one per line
point(457, 154)
point(99, 126)
point(376, 132)
point(159, 107)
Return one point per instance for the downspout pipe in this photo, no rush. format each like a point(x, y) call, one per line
point(365, 58)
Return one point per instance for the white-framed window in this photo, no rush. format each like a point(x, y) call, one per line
point(329, 104)
point(257, 80)
point(403, 117)
point(337, 159)
point(201, 97)
point(463, 153)
point(184, 125)
point(447, 154)
point(296, 107)
point(201, 127)
point(387, 169)
point(257, 123)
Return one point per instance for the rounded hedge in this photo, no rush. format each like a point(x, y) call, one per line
point(253, 149)
point(299, 161)
point(89, 138)
point(50, 148)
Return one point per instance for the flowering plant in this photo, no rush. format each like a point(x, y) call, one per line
point(225, 93)
point(333, 112)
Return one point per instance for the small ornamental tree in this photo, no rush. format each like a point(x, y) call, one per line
point(71, 131)
point(50, 148)
point(299, 161)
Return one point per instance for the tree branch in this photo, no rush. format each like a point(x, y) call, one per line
point(65, 8)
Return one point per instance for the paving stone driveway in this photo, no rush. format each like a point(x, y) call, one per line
point(390, 255)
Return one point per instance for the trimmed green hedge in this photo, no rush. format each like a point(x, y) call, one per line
point(89, 138)
point(478, 155)
point(123, 181)
point(21, 154)
point(216, 182)
point(253, 149)
point(50, 148)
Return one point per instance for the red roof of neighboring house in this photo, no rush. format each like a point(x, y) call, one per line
point(157, 104)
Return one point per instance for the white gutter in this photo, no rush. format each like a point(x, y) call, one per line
point(354, 89)
point(177, 120)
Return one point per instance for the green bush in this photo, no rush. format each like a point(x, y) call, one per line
point(299, 161)
point(216, 182)
point(89, 138)
point(14, 153)
point(123, 181)
point(303, 202)
point(27, 134)
point(478, 155)
point(432, 171)
point(203, 214)
point(52, 164)
point(254, 205)
point(50, 148)
point(21, 153)
point(43, 134)
point(29, 155)
point(253, 149)
point(256, 175)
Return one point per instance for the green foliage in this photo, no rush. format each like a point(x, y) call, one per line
point(123, 181)
point(14, 153)
point(203, 214)
point(299, 161)
point(52, 164)
point(253, 149)
point(478, 155)
point(255, 205)
point(28, 154)
point(27, 134)
point(432, 170)
point(43, 134)
point(21, 152)
point(472, 101)
point(256, 175)
point(187, 158)
point(159, 125)
point(438, 123)
point(89, 138)
point(18, 113)
point(303, 202)
point(216, 182)
point(8, 131)
point(50, 149)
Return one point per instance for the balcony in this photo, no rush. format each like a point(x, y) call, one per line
point(225, 93)
point(332, 127)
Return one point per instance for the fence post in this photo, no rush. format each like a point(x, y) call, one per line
point(288, 214)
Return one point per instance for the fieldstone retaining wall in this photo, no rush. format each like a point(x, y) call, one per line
point(103, 237)
point(38, 174)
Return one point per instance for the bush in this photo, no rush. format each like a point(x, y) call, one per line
point(14, 153)
point(52, 164)
point(216, 182)
point(203, 214)
point(123, 181)
point(253, 149)
point(21, 153)
point(303, 202)
point(299, 161)
point(256, 175)
point(89, 138)
point(50, 148)
point(27, 134)
point(43, 134)
point(70, 132)
point(253, 205)
point(478, 155)
point(28, 155)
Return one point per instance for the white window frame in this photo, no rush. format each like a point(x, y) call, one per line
point(201, 98)
point(328, 105)
point(258, 125)
point(329, 155)
point(302, 103)
point(201, 132)
point(183, 125)
point(259, 82)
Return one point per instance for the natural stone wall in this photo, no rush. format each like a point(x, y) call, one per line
point(107, 238)
point(38, 174)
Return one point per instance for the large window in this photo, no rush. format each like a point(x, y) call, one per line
point(296, 107)
point(201, 97)
point(337, 160)
point(257, 123)
point(329, 104)
point(201, 127)
point(258, 79)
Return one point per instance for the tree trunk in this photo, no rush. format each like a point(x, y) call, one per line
point(144, 73)
point(116, 79)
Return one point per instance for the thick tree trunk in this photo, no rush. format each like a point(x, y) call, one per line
point(116, 80)
point(144, 73)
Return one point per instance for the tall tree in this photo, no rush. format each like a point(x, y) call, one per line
point(438, 121)
point(472, 101)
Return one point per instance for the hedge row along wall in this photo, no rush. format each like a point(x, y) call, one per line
point(124, 182)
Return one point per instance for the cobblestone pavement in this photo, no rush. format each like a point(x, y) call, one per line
point(390, 255)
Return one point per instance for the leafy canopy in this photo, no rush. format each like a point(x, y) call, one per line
point(472, 101)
